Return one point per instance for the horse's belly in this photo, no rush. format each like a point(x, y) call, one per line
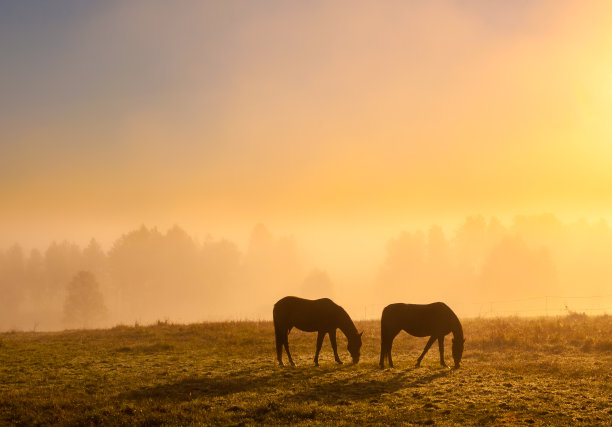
point(418, 332)
point(307, 326)
point(425, 330)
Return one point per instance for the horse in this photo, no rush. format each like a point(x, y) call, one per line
point(322, 316)
point(421, 320)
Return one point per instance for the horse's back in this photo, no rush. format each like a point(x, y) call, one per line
point(285, 305)
point(435, 308)
point(305, 314)
point(285, 302)
point(418, 319)
point(292, 302)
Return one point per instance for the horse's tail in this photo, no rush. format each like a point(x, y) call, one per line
point(384, 338)
point(278, 327)
point(384, 320)
point(281, 338)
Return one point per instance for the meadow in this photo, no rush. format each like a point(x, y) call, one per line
point(530, 371)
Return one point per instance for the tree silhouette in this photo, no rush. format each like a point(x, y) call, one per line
point(84, 305)
point(404, 269)
point(62, 261)
point(272, 269)
point(317, 284)
point(12, 290)
point(513, 270)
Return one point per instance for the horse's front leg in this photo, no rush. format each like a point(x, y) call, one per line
point(429, 343)
point(441, 346)
point(332, 339)
point(320, 337)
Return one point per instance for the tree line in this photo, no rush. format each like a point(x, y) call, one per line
point(484, 260)
point(148, 275)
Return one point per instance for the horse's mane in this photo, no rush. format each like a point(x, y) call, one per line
point(457, 327)
point(347, 326)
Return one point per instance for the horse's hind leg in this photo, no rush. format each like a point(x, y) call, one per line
point(286, 344)
point(279, 347)
point(385, 351)
point(320, 337)
point(383, 354)
point(389, 353)
point(279, 351)
point(386, 342)
point(441, 346)
point(280, 334)
point(429, 343)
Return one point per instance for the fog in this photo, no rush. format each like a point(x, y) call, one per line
point(534, 265)
point(198, 161)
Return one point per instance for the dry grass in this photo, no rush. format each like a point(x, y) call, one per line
point(515, 371)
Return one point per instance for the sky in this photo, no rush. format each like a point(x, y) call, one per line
point(338, 121)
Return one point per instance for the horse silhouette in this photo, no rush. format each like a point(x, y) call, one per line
point(421, 320)
point(322, 316)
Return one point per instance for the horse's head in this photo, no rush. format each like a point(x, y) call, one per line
point(458, 350)
point(354, 346)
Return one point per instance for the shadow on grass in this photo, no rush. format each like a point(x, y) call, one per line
point(338, 391)
point(355, 388)
point(221, 385)
point(197, 387)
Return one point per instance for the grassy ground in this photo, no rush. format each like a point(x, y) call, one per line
point(515, 371)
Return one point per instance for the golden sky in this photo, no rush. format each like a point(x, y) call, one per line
point(311, 117)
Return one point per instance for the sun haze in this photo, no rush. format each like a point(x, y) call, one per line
point(340, 125)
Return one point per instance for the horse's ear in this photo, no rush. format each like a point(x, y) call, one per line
point(464, 340)
point(360, 334)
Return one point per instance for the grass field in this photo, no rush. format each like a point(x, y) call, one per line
point(515, 371)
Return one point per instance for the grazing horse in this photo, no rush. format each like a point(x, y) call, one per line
point(421, 320)
point(321, 315)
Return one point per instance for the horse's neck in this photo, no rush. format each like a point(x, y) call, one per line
point(456, 328)
point(346, 325)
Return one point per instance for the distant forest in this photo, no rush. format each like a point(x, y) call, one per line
point(149, 275)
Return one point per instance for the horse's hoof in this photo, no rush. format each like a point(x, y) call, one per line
point(339, 362)
point(317, 364)
point(417, 365)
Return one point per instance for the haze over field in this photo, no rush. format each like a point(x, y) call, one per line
point(223, 154)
